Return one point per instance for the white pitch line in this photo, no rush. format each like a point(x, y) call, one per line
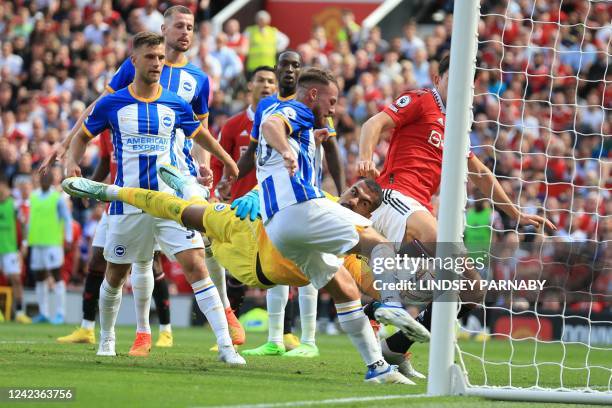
point(23, 342)
point(321, 402)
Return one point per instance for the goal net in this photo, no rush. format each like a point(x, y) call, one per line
point(542, 123)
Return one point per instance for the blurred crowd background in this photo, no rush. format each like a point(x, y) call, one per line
point(541, 109)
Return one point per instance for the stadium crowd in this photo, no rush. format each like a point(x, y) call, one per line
point(541, 107)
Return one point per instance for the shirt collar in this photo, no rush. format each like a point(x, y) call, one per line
point(250, 113)
point(438, 99)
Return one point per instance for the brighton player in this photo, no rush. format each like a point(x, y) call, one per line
point(308, 229)
point(191, 84)
point(242, 246)
point(143, 118)
point(107, 165)
point(288, 67)
point(411, 176)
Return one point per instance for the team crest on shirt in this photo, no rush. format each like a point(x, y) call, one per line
point(219, 207)
point(166, 121)
point(187, 86)
point(289, 112)
point(402, 101)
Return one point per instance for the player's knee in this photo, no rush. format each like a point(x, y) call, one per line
point(116, 274)
point(192, 262)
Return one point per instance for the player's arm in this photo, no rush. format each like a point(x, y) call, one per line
point(486, 182)
point(203, 138)
point(334, 162)
point(102, 169)
point(274, 129)
point(246, 162)
point(200, 108)
point(370, 135)
point(227, 140)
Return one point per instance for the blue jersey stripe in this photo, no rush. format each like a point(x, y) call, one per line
point(272, 193)
point(298, 189)
point(153, 185)
point(143, 171)
point(143, 123)
point(266, 197)
point(188, 159)
point(153, 118)
point(117, 206)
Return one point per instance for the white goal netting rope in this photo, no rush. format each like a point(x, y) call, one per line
point(542, 123)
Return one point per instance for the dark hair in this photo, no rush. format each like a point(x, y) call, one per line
point(289, 51)
point(318, 76)
point(261, 68)
point(443, 65)
point(176, 10)
point(146, 38)
point(376, 189)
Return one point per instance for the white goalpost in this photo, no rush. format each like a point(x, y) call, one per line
point(556, 343)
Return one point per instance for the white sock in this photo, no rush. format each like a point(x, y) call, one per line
point(308, 313)
point(165, 328)
point(42, 296)
point(142, 287)
point(217, 274)
point(276, 300)
point(60, 297)
point(110, 301)
point(355, 323)
point(210, 304)
point(88, 324)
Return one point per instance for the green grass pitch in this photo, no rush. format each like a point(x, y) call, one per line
point(188, 375)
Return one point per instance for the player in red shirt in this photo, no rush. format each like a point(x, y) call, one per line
point(235, 135)
point(107, 166)
point(411, 176)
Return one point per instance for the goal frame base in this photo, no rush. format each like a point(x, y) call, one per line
point(459, 386)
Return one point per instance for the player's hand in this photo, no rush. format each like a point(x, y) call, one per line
point(535, 220)
point(248, 204)
point(206, 176)
point(291, 163)
point(367, 168)
point(230, 171)
point(321, 135)
point(72, 169)
point(57, 153)
point(224, 190)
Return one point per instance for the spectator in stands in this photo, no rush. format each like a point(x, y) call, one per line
point(235, 39)
point(231, 65)
point(265, 41)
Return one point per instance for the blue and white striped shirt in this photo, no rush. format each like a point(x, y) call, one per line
point(143, 135)
point(277, 189)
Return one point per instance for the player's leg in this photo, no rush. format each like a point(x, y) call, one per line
point(307, 298)
point(110, 301)
point(356, 325)
point(60, 295)
point(91, 293)
point(161, 297)
point(323, 232)
point(188, 249)
point(142, 288)
point(217, 274)
point(155, 203)
point(276, 300)
point(37, 268)
point(11, 267)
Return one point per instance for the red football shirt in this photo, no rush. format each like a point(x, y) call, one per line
point(414, 160)
point(235, 137)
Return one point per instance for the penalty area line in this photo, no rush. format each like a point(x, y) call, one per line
point(321, 402)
